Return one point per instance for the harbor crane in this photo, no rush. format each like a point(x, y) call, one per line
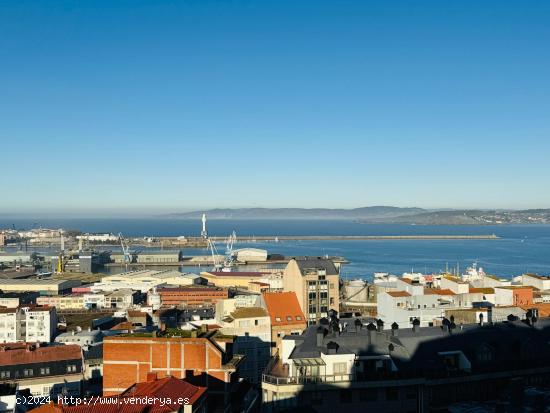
point(125, 251)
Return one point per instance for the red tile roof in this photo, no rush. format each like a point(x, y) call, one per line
point(163, 389)
point(281, 305)
point(14, 354)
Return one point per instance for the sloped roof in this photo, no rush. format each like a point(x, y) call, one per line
point(163, 389)
point(281, 305)
point(14, 354)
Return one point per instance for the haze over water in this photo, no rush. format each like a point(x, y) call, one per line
point(520, 248)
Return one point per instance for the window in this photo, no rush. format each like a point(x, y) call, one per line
point(255, 322)
point(44, 370)
point(312, 295)
point(5, 374)
point(277, 318)
point(288, 318)
point(28, 372)
point(345, 396)
point(339, 368)
point(368, 395)
point(392, 393)
point(71, 368)
point(299, 318)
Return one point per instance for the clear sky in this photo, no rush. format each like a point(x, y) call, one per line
point(177, 105)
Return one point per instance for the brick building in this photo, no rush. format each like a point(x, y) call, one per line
point(191, 296)
point(201, 361)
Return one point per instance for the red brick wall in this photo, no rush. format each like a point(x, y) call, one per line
point(127, 360)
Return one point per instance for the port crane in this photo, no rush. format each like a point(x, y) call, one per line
point(125, 251)
point(215, 256)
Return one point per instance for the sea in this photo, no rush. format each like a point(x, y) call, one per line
point(519, 248)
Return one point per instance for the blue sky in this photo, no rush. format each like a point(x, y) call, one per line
point(177, 105)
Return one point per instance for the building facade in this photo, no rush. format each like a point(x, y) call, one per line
point(316, 282)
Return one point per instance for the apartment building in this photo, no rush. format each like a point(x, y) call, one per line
point(251, 327)
point(28, 323)
point(315, 281)
point(416, 369)
point(43, 370)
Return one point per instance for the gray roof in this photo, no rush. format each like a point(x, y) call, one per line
point(316, 263)
point(420, 350)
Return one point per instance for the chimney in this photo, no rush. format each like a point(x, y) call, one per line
point(320, 334)
point(394, 329)
point(380, 325)
point(332, 347)
point(371, 328)
point(151, 376)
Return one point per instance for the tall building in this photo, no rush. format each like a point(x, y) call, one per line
point(315, 281)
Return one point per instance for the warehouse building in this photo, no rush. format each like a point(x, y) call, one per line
point(251, 255)
point(44, 286)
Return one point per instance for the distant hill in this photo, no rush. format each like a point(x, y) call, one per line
point(474, 217)
point(367, 213)
point(382, 214)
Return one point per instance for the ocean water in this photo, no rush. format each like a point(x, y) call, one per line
point(520, 248)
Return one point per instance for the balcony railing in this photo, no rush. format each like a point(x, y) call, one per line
point(334, 378)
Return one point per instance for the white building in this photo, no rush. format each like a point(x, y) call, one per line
point(252, 326)
point(251, 255)
point(98, 237)
point(28, 323)
point(144, 280)
point(83, 338)
point(537, 281)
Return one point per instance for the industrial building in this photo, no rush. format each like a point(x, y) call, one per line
point(191, 296)
point(243, 279)
point(144, 280)
point(43, 286)
point(251, 255)
point(14, 258)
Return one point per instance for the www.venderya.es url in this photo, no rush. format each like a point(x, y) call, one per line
point(99, 400)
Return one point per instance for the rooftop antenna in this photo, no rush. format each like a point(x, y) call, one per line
point(204, 233)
